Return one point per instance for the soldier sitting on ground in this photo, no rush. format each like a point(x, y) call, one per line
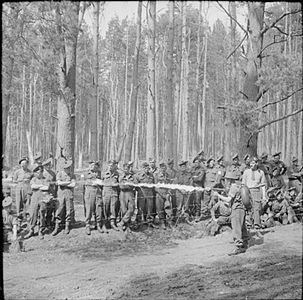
point(221, 216)
point(295, 202)
point(9, 219)
point(278, 209)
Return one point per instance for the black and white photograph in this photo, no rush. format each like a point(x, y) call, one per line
point(152, 150)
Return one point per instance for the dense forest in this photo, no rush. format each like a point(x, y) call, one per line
point(165, 87)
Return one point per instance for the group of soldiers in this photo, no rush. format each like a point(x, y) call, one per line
point(123, 199)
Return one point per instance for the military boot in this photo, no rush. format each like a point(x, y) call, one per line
point(113, 225)
point(162, 225)
point(41, 235)
point(56, 230)
point(29, 234)
point(87, 229)
point(67, 229)
point(99, 228)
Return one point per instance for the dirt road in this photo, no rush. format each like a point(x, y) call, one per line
point(156, 264)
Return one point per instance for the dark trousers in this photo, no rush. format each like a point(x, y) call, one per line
point(240, 233)
point(127, 205)
point(110, 200)
point(145, 204)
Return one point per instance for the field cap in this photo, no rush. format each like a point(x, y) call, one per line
point(37, 155)
point(23, 158)
point(235, 156)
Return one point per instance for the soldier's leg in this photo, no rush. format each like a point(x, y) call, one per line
point(19, 204)
point(129, 206)
point(113, 211)
point(179, 203)
point(59, 211)
point(89, 200)
point(198, 200)
point(123, 202)
point(149, 206)
point(33, 215)
point(205, 204)
point(69, 204)
point(237, 224)
point(160, 199)
point(141, 207)
point(106, 206)
point(257, 206)
point(42, 219)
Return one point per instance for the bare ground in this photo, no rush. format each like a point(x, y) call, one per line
point(177, 263)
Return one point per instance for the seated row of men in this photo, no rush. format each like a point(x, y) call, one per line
point(49, 196)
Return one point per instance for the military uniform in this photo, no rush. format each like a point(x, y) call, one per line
point(127, 196)
point(110, 195)
point(50, 177)
point(221, 170)
point(145, 195)
point(277, 180)
point(265, 166)
point(65, 197)
point(37, 206)
point(279, 209)
point(163, 203)
point(198, 177)
point(211, 179)
point(9, 220)
point(23, 190)
point(172, 173)
point(277, 163)
point(92, 199)
point(236, 167)
point(238, 212)
point(295, 175)
point(182, 197)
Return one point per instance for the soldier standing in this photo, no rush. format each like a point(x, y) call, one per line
point(38, 158)
point(246, 163)
point(152, 165)
point(235, 166)
point(254, 179)
point(183, 197)
point(198, 177)
point(163, 205)
point(265, 166)
point(110, 194)
point(92, 196)
point(50, 177)
point(238, 212)
point(172, 173)
point(210, 182)
point(37, 207)
point(145, 195)
point(295, 174)
point(276, 162)
point(127, 196)
point(66, 183)
point(22, 177)
point(221, 169)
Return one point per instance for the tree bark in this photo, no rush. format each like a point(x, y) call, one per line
point(134, 90)
point(250, 87)
point(67, 79)
point(94, 101)
point(169, 101)
point(150, 127)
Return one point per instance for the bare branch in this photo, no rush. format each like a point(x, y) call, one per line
point(266, 27)
point(237, 47)
point(271, 122)
point(245, 31)
point(274, 102)
point(274, 42)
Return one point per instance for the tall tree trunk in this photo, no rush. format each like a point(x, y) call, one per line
point(94, 100)
point(150, 127)
point(67, 79)
point(184, 83)
point(168, 119)
point(6, 101)
point(134, 90)
point(250, 87)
